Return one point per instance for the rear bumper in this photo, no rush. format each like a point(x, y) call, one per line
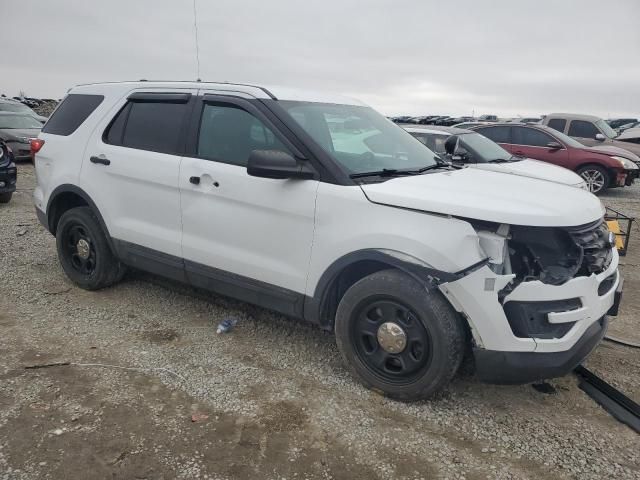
point(8, 177)
point(499, 367)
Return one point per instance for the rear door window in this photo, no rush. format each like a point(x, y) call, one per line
point(148, 125)
point(558, 124)
point(500, 134)
point(582, 129)
point(70, 114)
point(530, 137)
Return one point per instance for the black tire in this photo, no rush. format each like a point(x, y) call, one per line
point(100, 268)
point(435, 339)
point(597, 178)
point(6, 197)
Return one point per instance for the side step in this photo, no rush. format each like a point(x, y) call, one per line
point(610, 398)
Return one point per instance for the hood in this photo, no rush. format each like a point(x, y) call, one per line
point(624, 148)
point(20, 132)
point(536, 169)
point(629, 133)
point(490, 196)
point(613, 149)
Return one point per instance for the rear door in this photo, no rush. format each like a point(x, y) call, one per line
point(131, 168)
point(533, 143)
point(245, 236)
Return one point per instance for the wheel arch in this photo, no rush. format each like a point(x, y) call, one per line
point(350, 268)
point(68, 196)
point(611, 172)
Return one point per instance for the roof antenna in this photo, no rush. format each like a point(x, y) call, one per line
point(195, 31)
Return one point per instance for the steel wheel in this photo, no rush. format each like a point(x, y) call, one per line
point(391, 341)
point(595, 178)
point(80, 249)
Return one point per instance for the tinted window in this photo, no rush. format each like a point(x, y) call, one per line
point(557, 124)
point(153, 126)
point(582, 129)
point(229, 134)
point(530, 137)
point(497, 134)
point(70, 114)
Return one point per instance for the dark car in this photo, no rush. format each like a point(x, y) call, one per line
point(8, 173)
point(16, 129)
point(600, 168)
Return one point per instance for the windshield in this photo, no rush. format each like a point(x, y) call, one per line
point(14, 107)
point(18, 121)
point(483, 150)
point(606, 129)
point(359, 138)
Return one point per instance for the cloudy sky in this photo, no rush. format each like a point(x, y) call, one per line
point(404, 57)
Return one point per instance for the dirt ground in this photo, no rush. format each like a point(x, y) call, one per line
point(152, 392)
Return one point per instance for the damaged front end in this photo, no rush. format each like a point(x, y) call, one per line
point(542, 288)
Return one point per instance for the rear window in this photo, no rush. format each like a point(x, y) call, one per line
point(557, 124)
point(497, 134)
point(153, 126)
point(70, 114)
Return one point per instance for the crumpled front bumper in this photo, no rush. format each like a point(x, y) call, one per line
point(476, 297)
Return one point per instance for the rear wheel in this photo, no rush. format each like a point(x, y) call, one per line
point(597, 178)
point(84, 252)
point(6, 197)
point(397, 338)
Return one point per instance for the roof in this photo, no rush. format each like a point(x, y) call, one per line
point(254, 91)
point(435, 129)
point(573, 116)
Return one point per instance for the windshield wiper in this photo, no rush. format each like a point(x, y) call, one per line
point(385, 172)
point(394, 172)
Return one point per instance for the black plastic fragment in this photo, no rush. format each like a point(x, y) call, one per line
point(621, 407)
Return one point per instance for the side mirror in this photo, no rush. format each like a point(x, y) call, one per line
point(554, 145)
point(600, 137)
point(276, 164)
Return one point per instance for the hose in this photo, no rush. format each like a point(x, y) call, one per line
point(620, 341)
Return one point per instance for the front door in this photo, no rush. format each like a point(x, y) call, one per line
point(532, 143)
point(244, 236)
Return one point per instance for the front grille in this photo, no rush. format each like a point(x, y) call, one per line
point(593, 240)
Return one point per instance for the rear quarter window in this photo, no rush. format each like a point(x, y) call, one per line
point(557, 124)
point(70, 114)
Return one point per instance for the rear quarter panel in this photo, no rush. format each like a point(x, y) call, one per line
point(59, 161)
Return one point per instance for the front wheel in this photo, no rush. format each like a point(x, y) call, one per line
point(398, 338)
point(6, 197)
point(597, 178)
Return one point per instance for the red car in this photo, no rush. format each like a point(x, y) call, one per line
point(601, 167)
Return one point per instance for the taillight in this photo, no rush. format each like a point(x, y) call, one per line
point(36, 145)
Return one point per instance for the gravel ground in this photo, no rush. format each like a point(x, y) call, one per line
point(269, 400)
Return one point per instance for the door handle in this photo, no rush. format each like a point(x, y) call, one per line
point(519, 153)
point(195, 180)
point(100, 160)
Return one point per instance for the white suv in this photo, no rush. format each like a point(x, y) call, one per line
point(320, 208)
